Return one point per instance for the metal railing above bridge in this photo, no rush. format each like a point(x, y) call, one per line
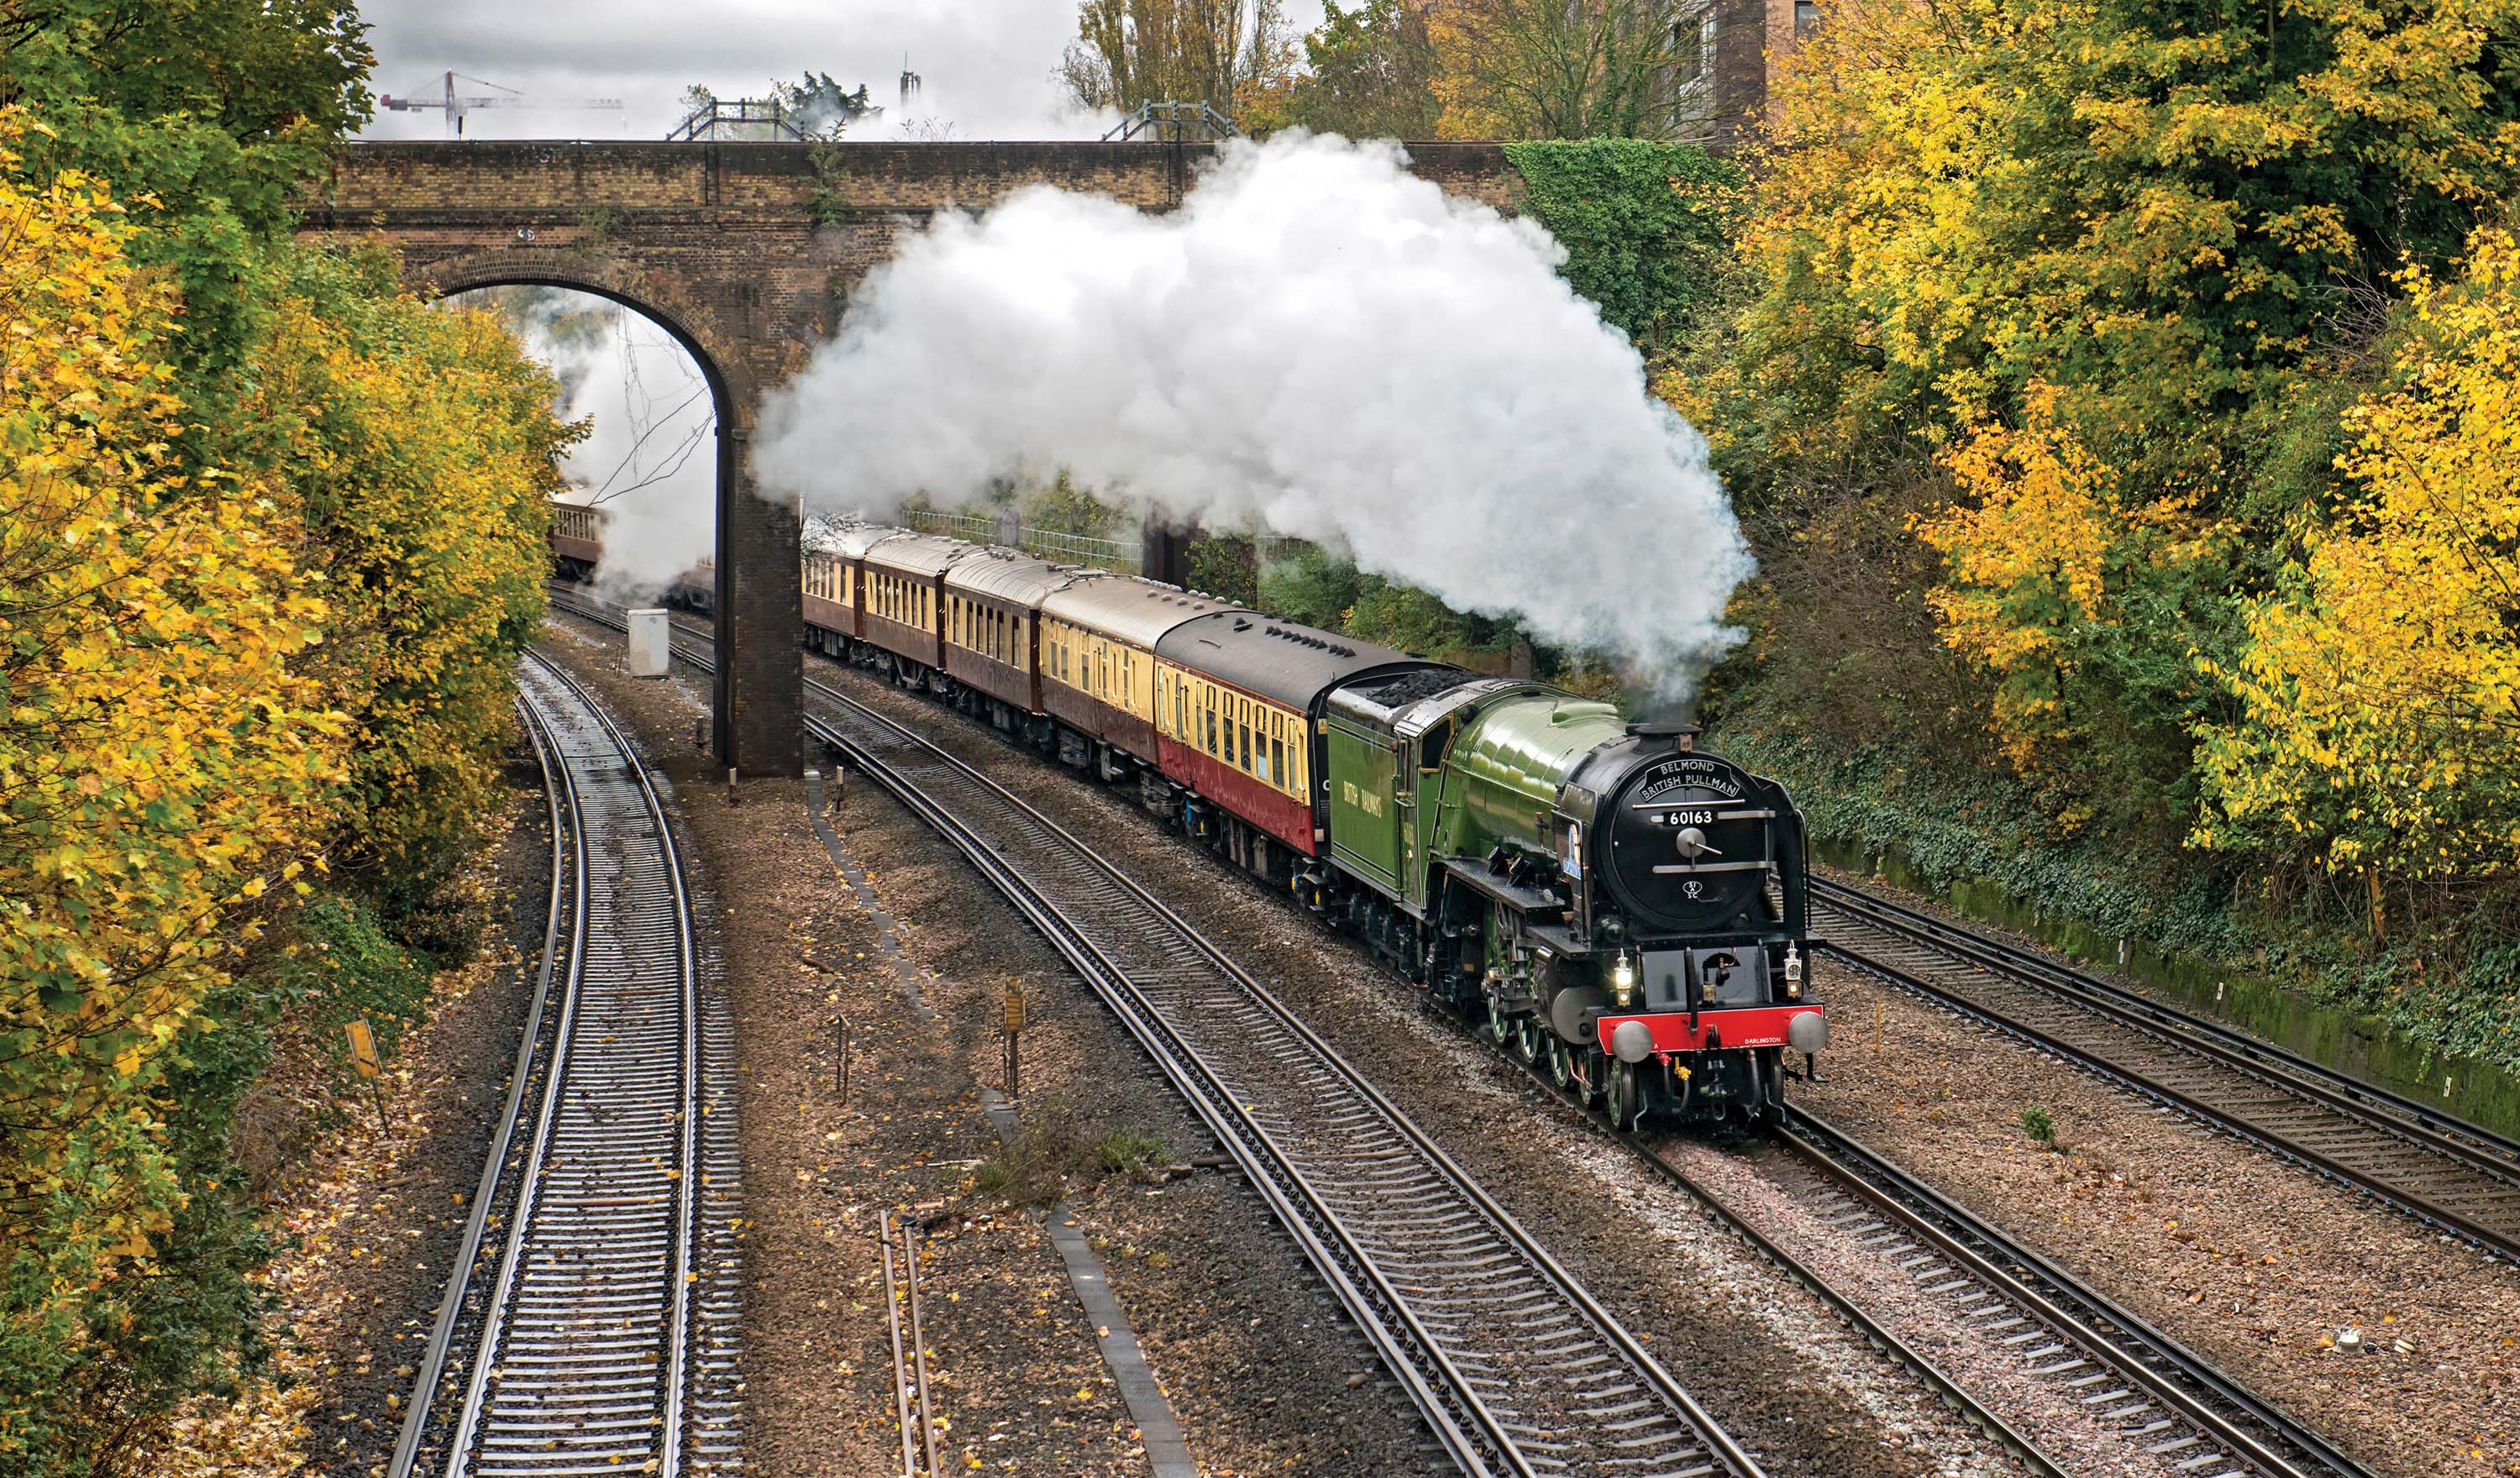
point(1121, 554)
point(1172, 122)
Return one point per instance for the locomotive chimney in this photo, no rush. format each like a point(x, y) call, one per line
point(1676, 722)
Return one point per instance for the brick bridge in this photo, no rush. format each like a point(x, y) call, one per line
point(745, 254)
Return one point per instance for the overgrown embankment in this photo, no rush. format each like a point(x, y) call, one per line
point(2117, 399)
point(273, 535)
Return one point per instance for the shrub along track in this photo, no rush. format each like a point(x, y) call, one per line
point(2456, 1177)
point(596, 1334)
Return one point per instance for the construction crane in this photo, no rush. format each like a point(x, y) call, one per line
point(457, 105)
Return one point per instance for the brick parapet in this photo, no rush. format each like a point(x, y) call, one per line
point(722, 243)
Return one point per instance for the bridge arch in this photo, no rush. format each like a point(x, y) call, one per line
point(744, 252)
point(733, 398)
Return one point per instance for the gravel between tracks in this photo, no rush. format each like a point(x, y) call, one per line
point(1769, 1359)
point(371, 1216)
point(1255, 1357)
point(2246, 1260)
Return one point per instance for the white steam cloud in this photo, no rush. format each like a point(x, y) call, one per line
point(1318, 343)
point(650, 458)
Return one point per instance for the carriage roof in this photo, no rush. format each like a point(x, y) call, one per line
point(922, 554)
point(1017, 579)
point(1131, 610)
point(1278, 661)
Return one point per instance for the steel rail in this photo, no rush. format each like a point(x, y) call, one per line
point(588, 1315)
point(2371, 1147)
point(901, 1402)
point(1873, 1332)
point(1469, 1433)
point(2447, 1132)
point(1474, 1434)
point(557, 785)
point(2261, 1437)
point(1422, 1357)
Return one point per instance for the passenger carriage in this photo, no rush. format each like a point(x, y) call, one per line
point(832, 551)
point(576, 539)
point(1238, 704)
point(1098, 666)
point(991, 629)
point(901, 585)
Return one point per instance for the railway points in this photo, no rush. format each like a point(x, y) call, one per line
point(2459, 1178)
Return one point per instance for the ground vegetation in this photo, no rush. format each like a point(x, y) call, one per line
point(2109, 399)
point(273, 534)
point(2116, 396)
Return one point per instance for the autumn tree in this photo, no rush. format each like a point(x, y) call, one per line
point(2379, 685)
point(163, 764)
point(1221, 52)
point(1567, 68)
point(2093, 262)
point(1370, 72)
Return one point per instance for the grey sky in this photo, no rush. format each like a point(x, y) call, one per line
point(985, 63)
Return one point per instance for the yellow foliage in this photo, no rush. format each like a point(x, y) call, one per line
point(2381, 691)
point(2028, 558)
point(417, 447)
point(157, 753)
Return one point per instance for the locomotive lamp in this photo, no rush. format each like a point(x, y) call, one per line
point(1623, 981)
point(1794, 973)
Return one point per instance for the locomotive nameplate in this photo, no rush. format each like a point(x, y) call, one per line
point(1698, 774)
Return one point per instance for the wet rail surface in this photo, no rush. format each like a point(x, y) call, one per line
point(1514, 1366)
point(2456, 1177)
point(581, 1332)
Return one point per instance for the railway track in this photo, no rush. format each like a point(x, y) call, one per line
point(588, 1324)
point(2169, 1404)
point(2459, 1177)
point(1514, 1366)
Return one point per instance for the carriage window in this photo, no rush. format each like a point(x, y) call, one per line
point(1277, 762)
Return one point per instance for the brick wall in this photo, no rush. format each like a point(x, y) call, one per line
point(720, 243)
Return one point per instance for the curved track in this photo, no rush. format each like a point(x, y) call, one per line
point(2168, 1402)
point(568, 1339)
point(2454, 1175)
point(1516, 1368)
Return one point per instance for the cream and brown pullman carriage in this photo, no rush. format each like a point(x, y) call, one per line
point(901, 594)
point(992, 630)
point(1098, 665)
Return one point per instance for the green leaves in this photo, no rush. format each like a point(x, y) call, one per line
point(1645, 226)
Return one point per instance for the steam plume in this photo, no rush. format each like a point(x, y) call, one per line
point(1316, 343)
point(650, 460)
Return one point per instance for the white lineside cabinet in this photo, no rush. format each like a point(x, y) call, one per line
point(651, 644)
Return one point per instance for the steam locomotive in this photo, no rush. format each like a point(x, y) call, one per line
point(1606, 900)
